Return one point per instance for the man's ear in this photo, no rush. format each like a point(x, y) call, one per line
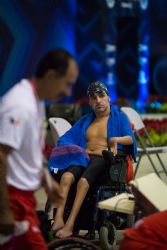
point(50, 74)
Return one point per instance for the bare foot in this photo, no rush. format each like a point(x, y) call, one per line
point(66, 231)
point(58, 224)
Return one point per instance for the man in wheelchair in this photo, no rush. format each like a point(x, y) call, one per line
point(79, 155)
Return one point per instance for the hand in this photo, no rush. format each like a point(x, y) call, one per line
point(52, 189)
point(20, 227)
point(113, 145)
point(54, 194)
point(6, 215)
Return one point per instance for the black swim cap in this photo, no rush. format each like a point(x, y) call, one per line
point(96, 87)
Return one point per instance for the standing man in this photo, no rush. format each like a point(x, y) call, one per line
point(21, 142)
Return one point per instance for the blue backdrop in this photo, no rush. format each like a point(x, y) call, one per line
point(89, 30)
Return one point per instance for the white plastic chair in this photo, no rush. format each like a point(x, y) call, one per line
point(58, 127)
point(137, 121)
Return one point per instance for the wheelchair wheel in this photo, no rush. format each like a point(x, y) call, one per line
point(74, 243)
point(130, 220)
point(108, 236)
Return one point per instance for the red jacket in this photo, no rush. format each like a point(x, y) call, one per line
point(149, 233)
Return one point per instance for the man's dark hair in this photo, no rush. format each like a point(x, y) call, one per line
point(57, 59)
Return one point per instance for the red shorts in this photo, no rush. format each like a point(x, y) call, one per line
point(23, 205)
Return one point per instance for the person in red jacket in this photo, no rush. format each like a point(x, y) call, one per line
point(149, 233)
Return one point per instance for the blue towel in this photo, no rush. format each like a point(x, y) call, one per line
point(118, 125)
point(67, 155)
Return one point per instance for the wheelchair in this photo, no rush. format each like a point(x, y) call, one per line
point(90, 217)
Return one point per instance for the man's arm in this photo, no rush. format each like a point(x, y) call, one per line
point(124, 140)
point(126, 130)
point(52, 189)
point(6, 216)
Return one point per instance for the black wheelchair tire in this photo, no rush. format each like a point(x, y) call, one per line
point(72, 243)
point(108, 236)
point(130, 220)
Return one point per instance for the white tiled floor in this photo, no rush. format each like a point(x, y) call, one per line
point(146, 168)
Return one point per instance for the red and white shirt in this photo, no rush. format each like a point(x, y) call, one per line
point(22, 128)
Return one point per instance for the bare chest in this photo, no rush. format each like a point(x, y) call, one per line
point(97, 130)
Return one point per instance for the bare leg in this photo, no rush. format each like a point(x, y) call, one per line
point(67, 180)
point(82, 189)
